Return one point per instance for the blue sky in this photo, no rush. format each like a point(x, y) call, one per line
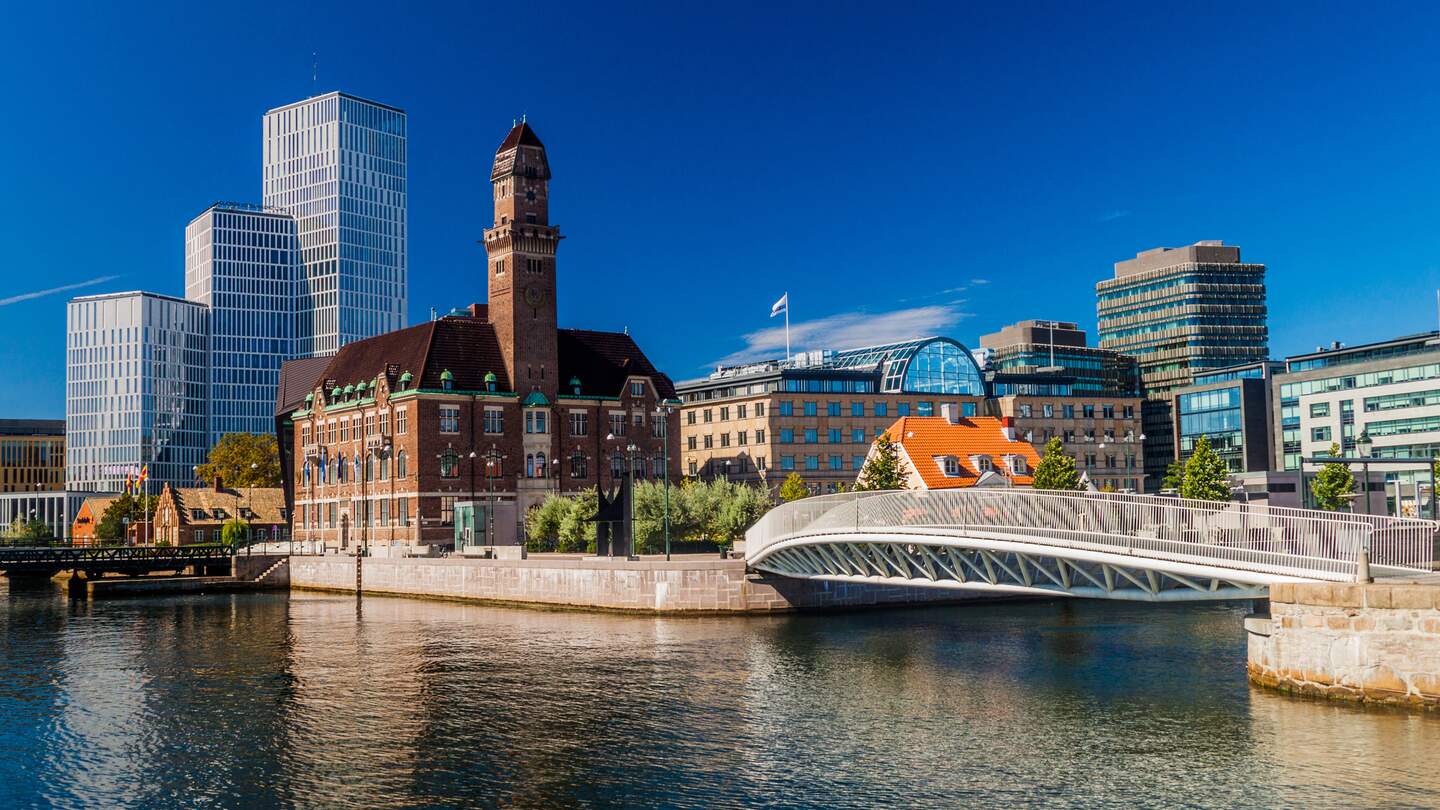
point(898, 168)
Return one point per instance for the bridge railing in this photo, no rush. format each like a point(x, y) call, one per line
point(1282, 541)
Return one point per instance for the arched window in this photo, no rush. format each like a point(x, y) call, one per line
point(577, 465)
point(307, 473)
point(369, 467)
point(657, 466)
point(384, 467)
point(401, 465)
point(340, 469)
point(540, 470)
point(529, 465)
point(357, 469)
point(449, 464)
point(617, 465)
point(324, 466)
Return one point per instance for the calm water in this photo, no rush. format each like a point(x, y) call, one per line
point(317, 701)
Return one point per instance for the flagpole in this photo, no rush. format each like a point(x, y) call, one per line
point(787, 326)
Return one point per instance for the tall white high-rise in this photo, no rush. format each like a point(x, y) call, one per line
point(338, 164)
point(241, 261)
point(135, 389)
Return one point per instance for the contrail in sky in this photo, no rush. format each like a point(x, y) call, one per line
point(15, 299)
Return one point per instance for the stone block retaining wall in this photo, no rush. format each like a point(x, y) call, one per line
point(1375, 643)
point(684, 585)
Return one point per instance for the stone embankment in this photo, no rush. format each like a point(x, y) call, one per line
point(1376, 643)
point(687, 584)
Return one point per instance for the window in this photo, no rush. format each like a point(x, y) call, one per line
point(725, 414)
point(967, 409)
point(1129, 412)
point(787, 435)
point(740, 411)
point(902, 409)
point(724, 439)
point(449, 464)
point(402, 512)
point(1107, 411)
point(617, 465)
point(759, 409)
point(385, 423)
point(494, 420)
point(950, 465)
point(812, 436)
point(709, 441)
point(689, 417)
point(535, 422)
point(402, 464)
point(857, 409)
point(982, 463)
point(579, 423)
point(812, 462)
point(447, 510)
point(617, 423)
point(787, 408)
point(637, 389)
point(340, 469)
point(708, 415)
point(402, 421)
point(759, 462)
point(369, 424)
point(693, 469)
point(925, 408)
point(369, 467)
point(690, 442)
point(344, 430)
point(1067, 411)
point(835, 436)
point(304, 435)
point(881, 409)
point(1088, 411)
point(857, 462)
point(577, 465)
point(449, 419)
point(837, 462)
point(857, 435)
point(1320, 434)
point(811, 409)
point(1024, 410)
point(760, 437)
point(832, 409)
point(742, 437)
point(1048, 410)
point(787, 462)
point(1319, 409)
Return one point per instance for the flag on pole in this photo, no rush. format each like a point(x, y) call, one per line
point(783, 305)
point(144, 473)
point(129, 482)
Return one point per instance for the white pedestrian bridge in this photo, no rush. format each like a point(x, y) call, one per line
point(1095, 545)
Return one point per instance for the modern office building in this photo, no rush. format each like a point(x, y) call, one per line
point(1388, 391)
point(1180, 312)
point(135, 380)
point(817, 413)
point(32, 455)
point(413, 437)
point(241, 263)
point(1044, 377)
point(1231, 408)
point(1051, 358)
point(338, 164)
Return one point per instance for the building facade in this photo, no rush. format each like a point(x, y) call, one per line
point(1180, 312)
point(1103, 434)
point(1231, 408)
point(194, 515)
point(1388, 391)
point(32, 455)
point(1051, 358)
point(338, 164)
point(241, 262)
point(56, 509)
point(406, 432)
point(135, 380)
point(817, 414)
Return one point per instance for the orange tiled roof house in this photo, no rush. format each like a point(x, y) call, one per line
point(953, 452)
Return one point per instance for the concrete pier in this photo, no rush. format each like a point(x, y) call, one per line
point(688, 584)
point(1375, 643)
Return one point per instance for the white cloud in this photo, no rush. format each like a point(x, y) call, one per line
point(1111, 216)
point(847, 330)
point(979, 281)
point(15, 299)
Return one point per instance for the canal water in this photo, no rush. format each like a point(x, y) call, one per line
point(265, 700)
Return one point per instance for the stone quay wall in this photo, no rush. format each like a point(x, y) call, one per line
point(1376, 643)
point(684, 585)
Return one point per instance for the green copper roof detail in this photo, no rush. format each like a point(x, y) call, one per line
point(535, 399)
point(446, 376)
point(490, 377)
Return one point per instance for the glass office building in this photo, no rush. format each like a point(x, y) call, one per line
point(241, 263)
point(135, 381)
point(1231, 408)
point(338, 164)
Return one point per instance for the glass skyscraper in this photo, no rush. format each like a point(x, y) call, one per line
point(135, 389)
point(241, 262)
point(338, 164)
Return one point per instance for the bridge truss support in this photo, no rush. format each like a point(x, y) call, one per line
point(998, 566)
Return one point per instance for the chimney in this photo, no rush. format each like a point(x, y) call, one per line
point(951, 412)
point(1007, 428)
point(219, 484)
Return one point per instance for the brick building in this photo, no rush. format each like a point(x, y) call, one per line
point(192, 515)
point(402, 432)
point(817, 413)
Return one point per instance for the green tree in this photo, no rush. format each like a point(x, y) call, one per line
point(577, 527)
point(243, 460)
point(543, 522)
point(29, 531)
point(882, 469)
point(1206, 476)
point(1174, 476)
point(1333, 483)
point(236, 532)
point(1056, 470)
point(793, 488)
point(125, 509)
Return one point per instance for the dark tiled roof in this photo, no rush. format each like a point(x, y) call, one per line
point(603, 360)
point(298, 378)
point(520, 135)
point(466, 347)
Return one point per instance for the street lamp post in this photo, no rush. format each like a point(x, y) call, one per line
point(662, 412)
point(1365, 445)
point(492, 461)
point(630, 450)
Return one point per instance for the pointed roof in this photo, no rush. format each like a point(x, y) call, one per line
point(520, 135)
point(603, 361)
point(924, 439)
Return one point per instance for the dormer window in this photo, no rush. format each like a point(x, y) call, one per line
point(447, 380)
point(1018, 465)
point(982, 463)
point(950, 465)
point(490, 381)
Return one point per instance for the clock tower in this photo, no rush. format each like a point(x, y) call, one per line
point(520, 249)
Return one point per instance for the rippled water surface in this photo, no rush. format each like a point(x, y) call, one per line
point(263, 700)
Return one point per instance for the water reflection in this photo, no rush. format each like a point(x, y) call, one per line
point(315, 700)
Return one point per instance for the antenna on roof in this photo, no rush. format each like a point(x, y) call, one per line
point(522, 117)
point(432, 313)
point(627, 330)
point(314, 72)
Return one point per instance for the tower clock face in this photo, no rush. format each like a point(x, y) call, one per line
point(534, 295)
